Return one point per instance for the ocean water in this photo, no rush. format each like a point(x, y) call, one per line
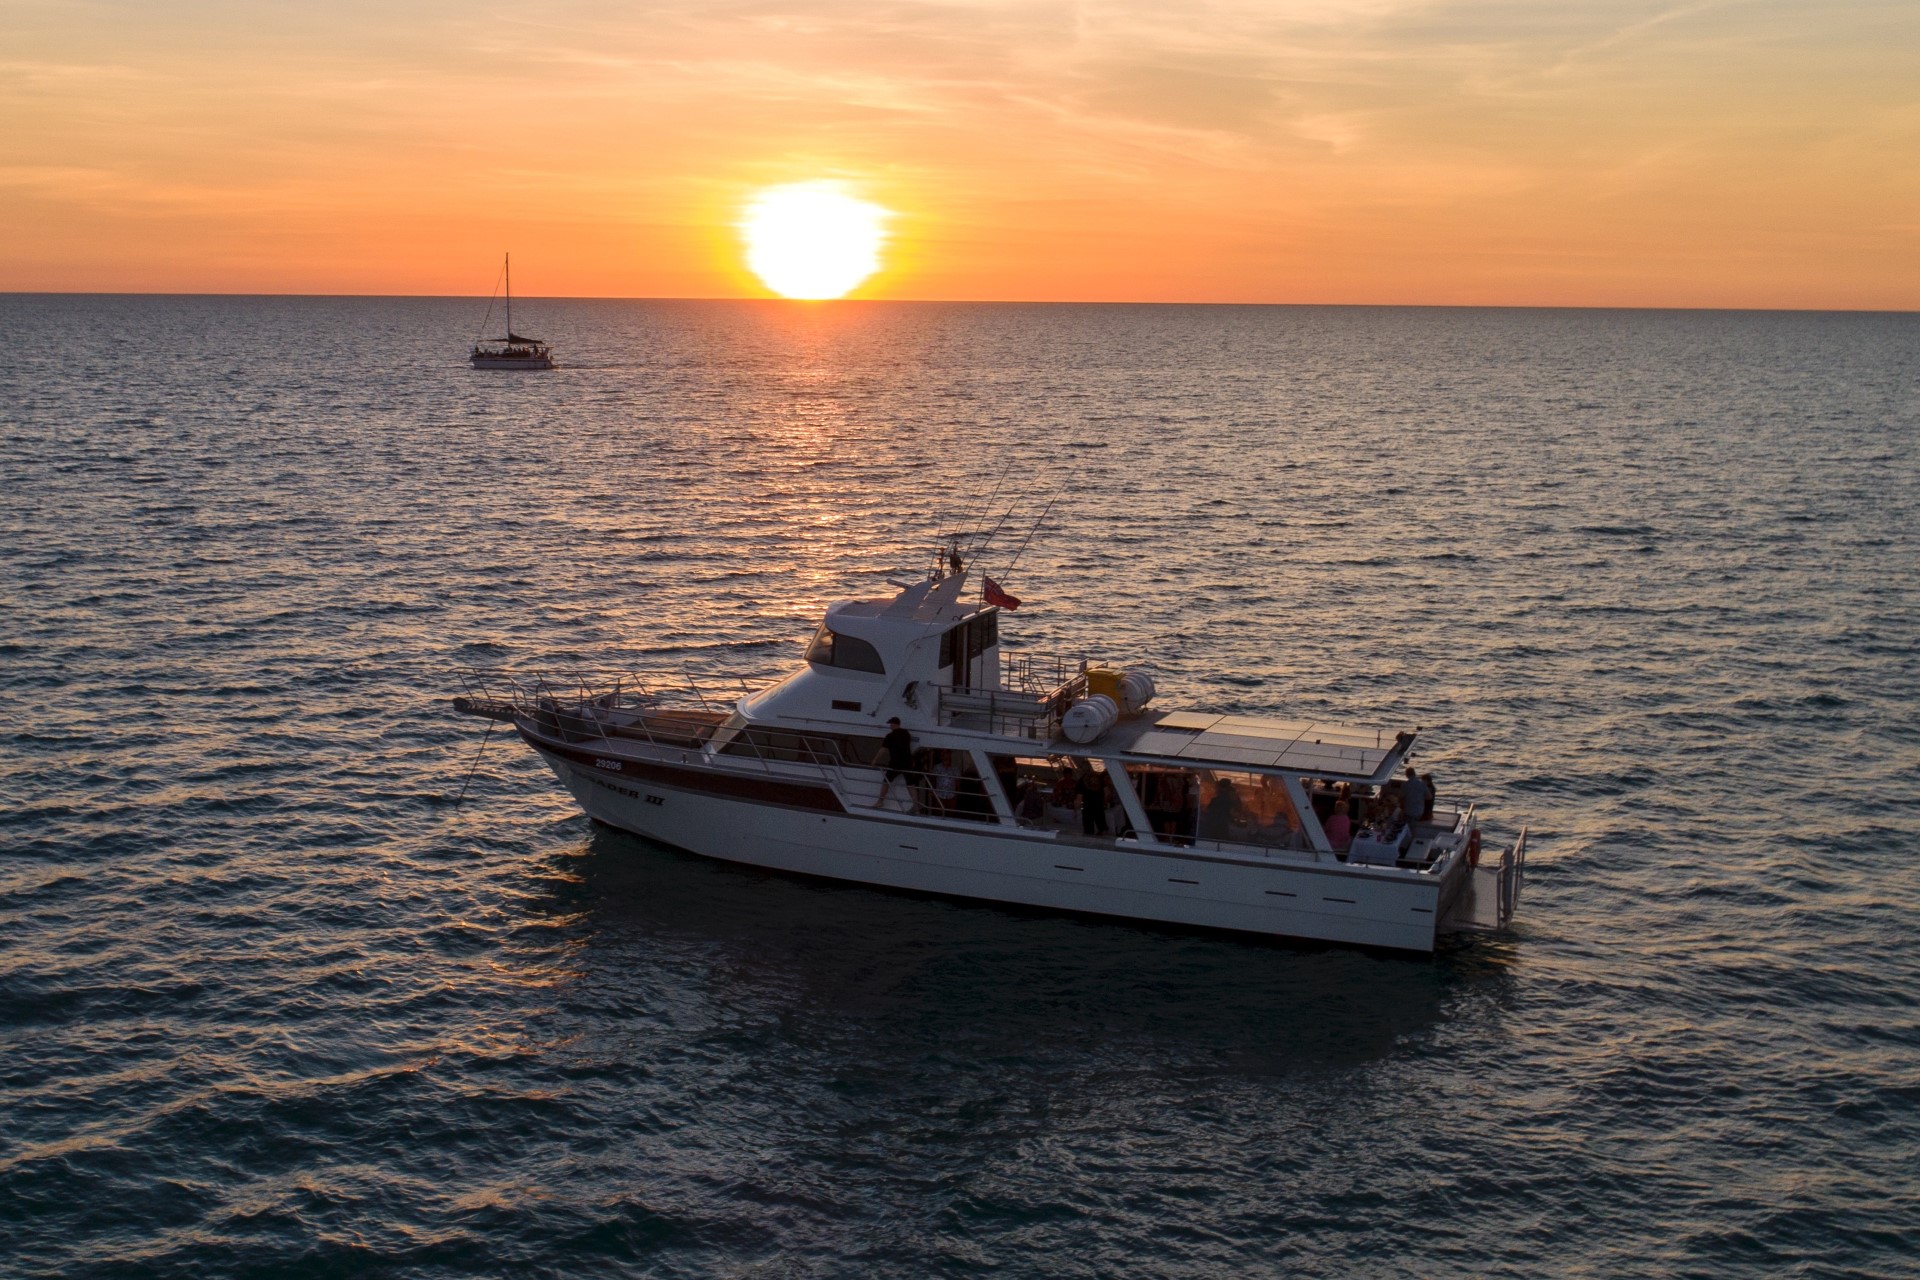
point(274, 1000)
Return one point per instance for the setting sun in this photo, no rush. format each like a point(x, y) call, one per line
point(812, 239)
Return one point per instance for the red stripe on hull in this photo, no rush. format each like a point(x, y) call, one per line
point(796, 795)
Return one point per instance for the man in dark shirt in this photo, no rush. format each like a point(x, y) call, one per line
point(1225, 809)
point(1093, 801)
point(1413, 797)
point(897, 747)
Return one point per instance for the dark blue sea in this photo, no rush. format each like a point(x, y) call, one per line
point(275, 1001)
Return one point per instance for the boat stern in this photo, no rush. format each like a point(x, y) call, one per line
point(1489, 892)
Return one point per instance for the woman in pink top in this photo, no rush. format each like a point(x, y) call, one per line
point(1339, 829)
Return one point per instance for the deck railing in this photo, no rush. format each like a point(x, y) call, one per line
point(1513, 874)
point(1036, 690)
point(617, 690)
point(1040, 673)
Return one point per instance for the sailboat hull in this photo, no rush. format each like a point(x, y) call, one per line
point(512, 362)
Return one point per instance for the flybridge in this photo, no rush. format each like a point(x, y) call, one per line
point(934, 661)
point(872, 660)
point(907, 750)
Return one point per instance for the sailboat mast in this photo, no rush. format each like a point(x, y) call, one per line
point(509, 297)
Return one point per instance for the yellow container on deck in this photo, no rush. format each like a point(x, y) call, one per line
point(1104, 680)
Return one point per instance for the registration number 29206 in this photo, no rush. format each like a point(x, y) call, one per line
point(614, 765)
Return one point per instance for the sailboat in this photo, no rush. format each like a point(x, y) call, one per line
point(512, 351)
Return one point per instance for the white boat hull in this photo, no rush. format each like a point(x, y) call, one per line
point(1277, 897)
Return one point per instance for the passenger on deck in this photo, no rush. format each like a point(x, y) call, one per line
point(1093, 802)
point(1173, 802)
point(1386, 806)
point(896, 756)
point(1339, 829)
point(945, 782)
point(1413, 797)
point(1433, 795)
point(1284, 832)
point(1225, 809)
point(1061, 796)
point(1032, 806)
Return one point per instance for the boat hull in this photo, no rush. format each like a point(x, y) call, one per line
point(1284, 899)
point(494, 362)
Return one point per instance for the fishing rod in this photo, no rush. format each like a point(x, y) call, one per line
point(1059, 489)
point(1044, 512)
point(987, 506)
point(995, 532)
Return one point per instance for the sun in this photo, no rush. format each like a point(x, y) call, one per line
point(812, 239)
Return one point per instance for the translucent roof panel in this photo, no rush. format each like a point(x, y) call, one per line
point(1303, 746)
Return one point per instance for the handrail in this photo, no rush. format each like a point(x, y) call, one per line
point(1024, 706)
point(1038, 672)
point(618, 690)
point(1513, 873)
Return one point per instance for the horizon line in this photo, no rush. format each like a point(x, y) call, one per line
point(978, 302)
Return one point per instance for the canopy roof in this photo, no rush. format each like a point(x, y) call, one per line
point(1251, 742)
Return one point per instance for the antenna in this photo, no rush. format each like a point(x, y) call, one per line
point(509, 297)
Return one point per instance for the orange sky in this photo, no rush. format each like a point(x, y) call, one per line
point(1745, 154)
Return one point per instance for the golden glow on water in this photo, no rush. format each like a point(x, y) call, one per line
point(812, 239)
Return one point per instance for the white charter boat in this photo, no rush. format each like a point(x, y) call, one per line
point(1184, 818)
point(512, 351)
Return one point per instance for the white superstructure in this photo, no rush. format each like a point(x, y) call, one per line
point(1031, 782)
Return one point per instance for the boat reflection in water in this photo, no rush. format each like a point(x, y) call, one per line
point(1022, 780)
point(881, 984)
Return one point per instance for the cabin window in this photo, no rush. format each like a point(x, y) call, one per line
point(982, 633)
point(1221, 805)
point(807, 748)
point(851, 653)
point(1246, 808)
point(782, 744)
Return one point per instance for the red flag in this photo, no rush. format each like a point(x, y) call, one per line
point(990, 592)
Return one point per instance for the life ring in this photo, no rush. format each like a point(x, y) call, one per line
point(1473, 847)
